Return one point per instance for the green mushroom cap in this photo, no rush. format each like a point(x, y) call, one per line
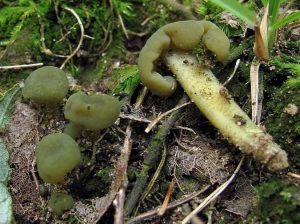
point(92, 112)
point(46, 85)
point(56, 155)
point(60, 202)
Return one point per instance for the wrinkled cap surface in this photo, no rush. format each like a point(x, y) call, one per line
point(94, 112)
point(56, 155)
point(46, 85)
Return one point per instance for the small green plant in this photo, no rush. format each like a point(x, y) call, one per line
point(275, 19)
point(278, 202)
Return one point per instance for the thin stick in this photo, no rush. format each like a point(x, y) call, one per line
point(80, 40)
point(21, 66)
point(120, 177)
point(122, 25)
point(134, 118)
point(165, 203)
point(93, 157)
point(46, 50)
point(294, 175)
point(159, 117)
point(214, 194)
point(233, 73)
point(153, 213)
point(156, 174)
point(153, 179)
point(255, 102)
point(119, 206)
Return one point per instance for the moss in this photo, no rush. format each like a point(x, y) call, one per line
point(60, 202)
point(56, 155)
point(105, 175)
point(284, 123)
point(98, 71)
point(278, 202)
point(126, 79)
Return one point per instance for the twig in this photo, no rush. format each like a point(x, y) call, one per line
point(233, 73)
point(122, 25)
point(294, 175)
point(32, 170)
point(153, 155)
point(172, 205)
point(185, 128)
point(159, 117)
point(64, 36)
point(119, 206)
point(46, 50)
point(21, 66)
point(153, 179)
point(80, 40)
point(195, 219)
point(165, 203)
point(214, 194)
point(134, 118)
point(93, 157)
point(119, 181)
point(254, 72)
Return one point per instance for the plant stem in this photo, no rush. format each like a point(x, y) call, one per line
point(152, 157)
point(216, 104)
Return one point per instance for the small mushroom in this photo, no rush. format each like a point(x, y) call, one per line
point(56, 155)
point(46, 85)
point(90, 112)
point(60, 202)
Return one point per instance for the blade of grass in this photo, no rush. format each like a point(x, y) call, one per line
point(290, 18)
point(273, 10)
point(237, 9)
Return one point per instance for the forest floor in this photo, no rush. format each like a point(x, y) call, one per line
point(162, 158)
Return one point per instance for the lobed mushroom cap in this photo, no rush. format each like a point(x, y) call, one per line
point(60, 202)
point(46, 85)
point(92, 112)
point(56, 155)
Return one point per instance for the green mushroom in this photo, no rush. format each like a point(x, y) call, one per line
point(46, 85)
point(90, 112)
point(56, 155)
point(203, 88)
point(60, 202)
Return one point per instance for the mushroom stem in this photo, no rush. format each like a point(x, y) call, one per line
point(73, 130)
point(214, 101)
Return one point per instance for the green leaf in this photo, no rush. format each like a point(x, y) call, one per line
point(273, 10)
point(6, 103)
point(6, 215)
point(4, 167)
point(290, 18)
point(237, 9)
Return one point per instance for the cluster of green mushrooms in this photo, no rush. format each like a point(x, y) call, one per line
point(57, 154)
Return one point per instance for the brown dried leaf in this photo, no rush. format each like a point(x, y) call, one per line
point(261, 48)
point(199, 158)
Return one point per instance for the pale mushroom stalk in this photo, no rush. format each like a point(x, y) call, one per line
point(214, 101)
point(203, 88)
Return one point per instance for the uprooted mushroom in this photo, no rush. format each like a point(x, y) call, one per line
point(203, 87)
